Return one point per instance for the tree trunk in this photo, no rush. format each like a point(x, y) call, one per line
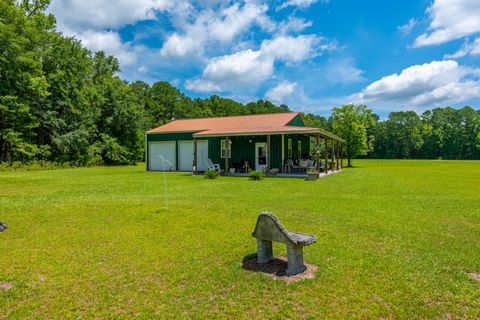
point(349, 161)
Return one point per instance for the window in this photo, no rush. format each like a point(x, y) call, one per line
point(299, 144)
point(290, 148)
point(223, 149)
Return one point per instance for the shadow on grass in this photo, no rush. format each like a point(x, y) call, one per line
point(352, 167)
point(277, 267)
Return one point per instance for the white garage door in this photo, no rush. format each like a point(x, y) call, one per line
point(202, 154)
point(165, 149)
point(185, 155)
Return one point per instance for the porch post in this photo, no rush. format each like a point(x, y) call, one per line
point(227, 148)
point(318, 154)
point(283, 152)
point(195, 168)
point(332, 150)
point(268, 154)
point(337, 153)
point(341, 154)
point(326, 155)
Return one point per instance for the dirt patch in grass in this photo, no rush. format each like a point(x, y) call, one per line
point(475, 276)
point(5, 286)
point(276, 269)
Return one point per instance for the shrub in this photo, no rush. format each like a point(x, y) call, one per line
point(256, 175)
point(211, 174)
point(33, 165)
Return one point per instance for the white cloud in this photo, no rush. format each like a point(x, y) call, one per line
point(431, 84)
point(250, 68)
point(407, 28)
point(110, 43)
point(297, 3)
point(192, 42)
point(242, 68)
point(235, 20)
point(451, 19)
point(290, 48)
point(282, 90)
point(95, 23)
point(202, 85)
point(102, 14)
point(211, 26)
point(293, 24)
point(468, 49)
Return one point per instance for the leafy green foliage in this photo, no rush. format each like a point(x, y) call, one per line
point(211, 174)
point(256, 175)
point(351, 122)
point(59, 102)
point(441, 133)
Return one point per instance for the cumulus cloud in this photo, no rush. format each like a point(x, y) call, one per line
point(292, 49)
point(181, 45)
point(212, 26)
point(468, 49)
point(430, 84)
point(451, 19)
point(245, 67)
point(95, 23)
point(110, 42)
point(282, 90)
point(251, 67)
point(102, 14)
point(407, 28)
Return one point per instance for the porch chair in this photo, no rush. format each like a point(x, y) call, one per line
point(290, 165)
point(211, 166)
point(303, 165)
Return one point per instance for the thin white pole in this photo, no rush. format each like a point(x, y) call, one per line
point(165, 180)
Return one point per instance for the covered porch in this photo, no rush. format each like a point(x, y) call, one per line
point(301, 153)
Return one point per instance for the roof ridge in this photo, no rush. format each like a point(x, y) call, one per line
point(242, 115)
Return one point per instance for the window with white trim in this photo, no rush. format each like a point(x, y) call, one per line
point(299, 149)
point(290, 148)
point(223, 149)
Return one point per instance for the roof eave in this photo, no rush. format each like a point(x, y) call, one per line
point(263, 133)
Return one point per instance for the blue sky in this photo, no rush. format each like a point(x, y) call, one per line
point(311, 55)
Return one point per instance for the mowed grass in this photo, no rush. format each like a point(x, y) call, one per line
point(396, 240)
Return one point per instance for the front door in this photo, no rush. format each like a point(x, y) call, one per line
point(260, 155)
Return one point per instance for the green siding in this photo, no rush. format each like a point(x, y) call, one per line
point(169, 136)
point(297, 121)
point(243, 147)
point(305, 141)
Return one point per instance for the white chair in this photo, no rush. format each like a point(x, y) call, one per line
point(212, 166)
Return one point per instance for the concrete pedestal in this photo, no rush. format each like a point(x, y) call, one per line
point(295, 259)
point(264, 251)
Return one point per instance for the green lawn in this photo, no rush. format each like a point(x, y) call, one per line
point(396, 239)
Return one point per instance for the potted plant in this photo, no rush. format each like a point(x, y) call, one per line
point(312, 174)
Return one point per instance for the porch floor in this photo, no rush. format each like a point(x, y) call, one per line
point(286, 174)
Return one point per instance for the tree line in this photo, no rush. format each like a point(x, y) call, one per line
point(440, 133)
point(60, 102)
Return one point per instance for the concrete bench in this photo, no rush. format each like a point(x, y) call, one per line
point(268, 229)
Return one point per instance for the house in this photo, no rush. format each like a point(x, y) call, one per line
point(270, 142)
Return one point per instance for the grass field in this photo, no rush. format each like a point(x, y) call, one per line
point(396, 239)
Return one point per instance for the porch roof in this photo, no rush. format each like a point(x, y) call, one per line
point(266, 131)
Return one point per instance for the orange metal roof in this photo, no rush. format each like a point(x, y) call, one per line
point(238, 125)
point(226, 124)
